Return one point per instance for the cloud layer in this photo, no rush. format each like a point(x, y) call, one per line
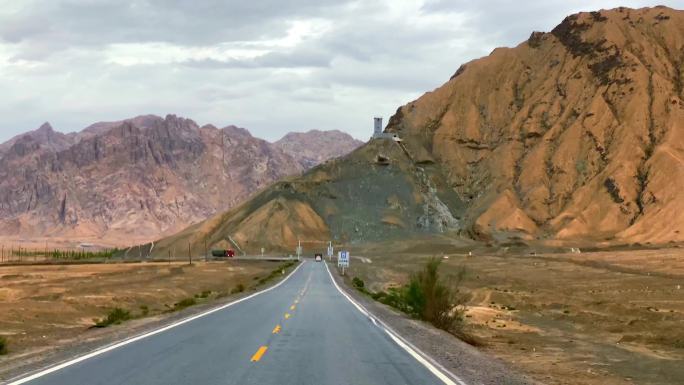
point(270, 66)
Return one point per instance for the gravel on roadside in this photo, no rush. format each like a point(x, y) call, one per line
point(465, 361)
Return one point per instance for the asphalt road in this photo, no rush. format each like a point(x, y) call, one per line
point(305, 331)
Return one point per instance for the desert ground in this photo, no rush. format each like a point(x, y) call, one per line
point(604, 317)
point(45, 306)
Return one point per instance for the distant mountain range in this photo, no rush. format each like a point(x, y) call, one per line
point(135, 180)
point(575, 136)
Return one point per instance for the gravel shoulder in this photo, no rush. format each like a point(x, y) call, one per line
point(463, 360)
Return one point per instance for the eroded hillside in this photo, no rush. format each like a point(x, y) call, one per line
point(574, 136)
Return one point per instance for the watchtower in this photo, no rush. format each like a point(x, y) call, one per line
point(377, 127)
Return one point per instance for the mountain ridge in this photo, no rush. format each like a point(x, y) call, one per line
point(572, 137)
point(130, 180)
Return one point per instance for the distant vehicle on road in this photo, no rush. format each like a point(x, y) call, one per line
point(223, 253)
point(318, 257)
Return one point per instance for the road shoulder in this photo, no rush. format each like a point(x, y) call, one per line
point(467, 362)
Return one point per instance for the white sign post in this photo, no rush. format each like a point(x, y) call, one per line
point(330, 251)
point(343, 260)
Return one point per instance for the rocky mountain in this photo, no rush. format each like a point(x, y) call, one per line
point(575, 136)
point(133, 180)
point(45, 138)
point(314, 147)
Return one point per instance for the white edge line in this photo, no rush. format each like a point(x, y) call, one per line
point(433, 366)
point(142, 336)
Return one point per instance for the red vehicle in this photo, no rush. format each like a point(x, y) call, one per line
point(223, 253)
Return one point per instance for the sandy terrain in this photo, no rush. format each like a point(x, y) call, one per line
point(591, 318)
point(44, 306)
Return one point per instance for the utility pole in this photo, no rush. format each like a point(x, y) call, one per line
point(189, 254)
point(169, 256)
point(206, 253)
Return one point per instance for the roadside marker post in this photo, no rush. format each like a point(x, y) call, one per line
point(330, 251)
point(343, 260)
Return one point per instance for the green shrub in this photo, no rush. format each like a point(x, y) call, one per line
point(430, 299)
point(144, 310)
point(3, 345)
point(239, 288)
point(358, 283)
point(182, 304)
point(394, 297)
point(114, 317)
point(204, 294)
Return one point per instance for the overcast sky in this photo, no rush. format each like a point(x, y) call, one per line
point(271, 66)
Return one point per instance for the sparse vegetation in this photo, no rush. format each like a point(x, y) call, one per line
point(3, 345)
point(432, 300)
point(151, 290)
point(56, 254)
point(276, 272)
point(239, 288)
point(184, 303)
point(114, 317)
point(358, 283)
point(429, 298)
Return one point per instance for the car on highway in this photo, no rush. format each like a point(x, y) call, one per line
point(318, 257)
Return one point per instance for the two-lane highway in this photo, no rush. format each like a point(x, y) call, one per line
point(304, 331)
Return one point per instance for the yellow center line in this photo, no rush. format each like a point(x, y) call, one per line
point(292, 307)
point(259, 353)
point(287, 315)
point(277, 329)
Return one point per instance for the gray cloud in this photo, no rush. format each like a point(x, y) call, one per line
point(60, 24)
point(270, 65)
